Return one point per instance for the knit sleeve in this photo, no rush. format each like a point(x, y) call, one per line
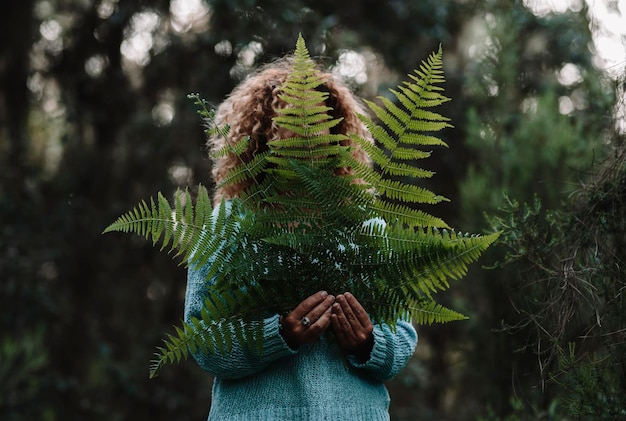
point(391, 351)
point(240, 361)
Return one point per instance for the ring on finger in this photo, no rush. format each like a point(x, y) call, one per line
point(306, 322)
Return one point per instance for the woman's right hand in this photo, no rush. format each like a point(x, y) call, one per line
point(305, 323)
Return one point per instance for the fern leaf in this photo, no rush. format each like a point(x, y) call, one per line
point(401, 214)
point(429, 312)
point(297, 228)
point(421, 139)
point(408, 193)
point(237, 148)
point(246, 170)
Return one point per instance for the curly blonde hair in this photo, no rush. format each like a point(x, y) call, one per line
point(249, 111)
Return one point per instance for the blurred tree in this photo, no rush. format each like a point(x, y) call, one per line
point(539, 121)
point(15, 36)
point(533, 116)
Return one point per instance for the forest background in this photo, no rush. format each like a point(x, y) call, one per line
point(94, 117)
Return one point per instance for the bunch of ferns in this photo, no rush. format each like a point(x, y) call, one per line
point(299, 228)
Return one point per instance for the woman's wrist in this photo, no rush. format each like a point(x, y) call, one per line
point(281, 331)
point(363, 353)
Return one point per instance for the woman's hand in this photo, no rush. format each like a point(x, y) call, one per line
point(352, 326)
point(305, 323)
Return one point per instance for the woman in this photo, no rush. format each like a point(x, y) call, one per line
point(298, 376)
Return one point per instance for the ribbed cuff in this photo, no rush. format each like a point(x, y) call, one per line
point(377, 360)
point(274, 346)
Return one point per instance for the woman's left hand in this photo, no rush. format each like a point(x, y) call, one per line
point(352, 326)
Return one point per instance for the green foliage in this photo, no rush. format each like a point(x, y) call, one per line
point(525, 143)
point(570, 291)
point(520, 411)
point(302, 229)
point(21, 361)
point(594, 384)
point(405, 128)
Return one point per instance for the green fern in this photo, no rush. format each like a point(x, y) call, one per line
point(320, 231)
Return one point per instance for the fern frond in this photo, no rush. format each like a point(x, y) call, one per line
point(408, 193)
point(305, 142)
point(213, 332)
point(160, 222)
point(297, 228)
point(403, 128)
point(387, 166)
point(247, 170)
point(401, 214)
point(193, 233)
point(421, 139)
point(429, 312)
point(237, 148)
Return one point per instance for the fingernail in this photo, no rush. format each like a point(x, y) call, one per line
point(324, 293)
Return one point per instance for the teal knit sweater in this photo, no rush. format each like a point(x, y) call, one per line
point(312, 383)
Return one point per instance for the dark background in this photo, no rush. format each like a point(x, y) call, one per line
point(95, 117)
